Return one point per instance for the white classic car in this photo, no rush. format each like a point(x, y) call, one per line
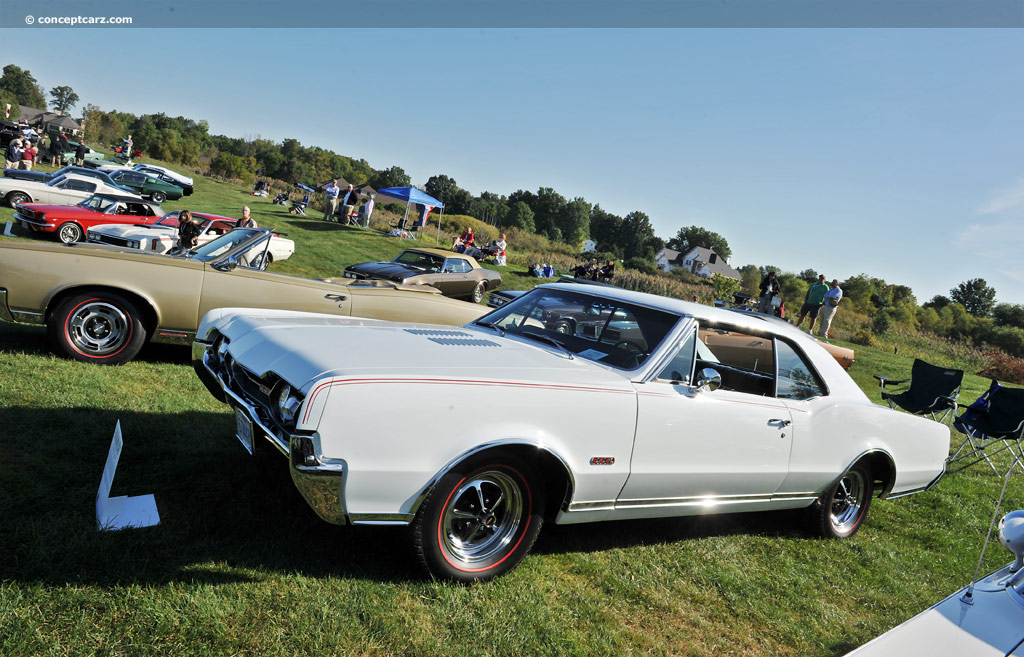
point(600, 404)
point(162, 235)
point(68, 189)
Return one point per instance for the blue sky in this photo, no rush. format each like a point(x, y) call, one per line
point(896, 153)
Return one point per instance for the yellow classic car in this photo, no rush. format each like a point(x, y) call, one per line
point(100, 304)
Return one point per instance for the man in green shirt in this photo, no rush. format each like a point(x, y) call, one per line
point(812, 302)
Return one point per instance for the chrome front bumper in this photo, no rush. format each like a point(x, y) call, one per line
point(320, 481)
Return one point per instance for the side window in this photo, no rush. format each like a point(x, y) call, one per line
point(680, 367)
point(796, 378)
point(456, 266)
point(745, 361)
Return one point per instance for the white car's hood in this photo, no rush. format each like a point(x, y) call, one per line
point(132, 231)
point(302, 347)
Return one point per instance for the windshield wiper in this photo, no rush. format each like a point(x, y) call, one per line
point(550, 340)
point(500, 331)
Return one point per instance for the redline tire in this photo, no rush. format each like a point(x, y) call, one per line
point(841, 510)
point(480, 520)
point(103, 328)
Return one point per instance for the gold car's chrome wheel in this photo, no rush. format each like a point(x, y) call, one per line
point(100, 328)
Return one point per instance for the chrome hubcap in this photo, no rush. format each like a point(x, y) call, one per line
point(69, 234)
point(98, 328)
point(848, 501)
point(482, 517)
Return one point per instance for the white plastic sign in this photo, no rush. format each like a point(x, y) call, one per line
point(120, 512)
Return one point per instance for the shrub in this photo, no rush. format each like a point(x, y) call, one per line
point(641, 264)
point(1004, 367)
point(863, 337)
point(881, 324)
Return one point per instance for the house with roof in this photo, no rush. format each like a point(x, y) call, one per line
point(45, 121)
point(699, 261)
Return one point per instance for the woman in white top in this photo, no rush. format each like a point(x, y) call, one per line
point(499, 257)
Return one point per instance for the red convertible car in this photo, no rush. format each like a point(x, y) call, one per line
point(70, 222)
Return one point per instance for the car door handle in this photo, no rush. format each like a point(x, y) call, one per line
point(779, 420)
point(335, 297)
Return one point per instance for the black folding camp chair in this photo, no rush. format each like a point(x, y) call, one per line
point(933, 390)
point(994, 423)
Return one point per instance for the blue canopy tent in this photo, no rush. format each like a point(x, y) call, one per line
point(413, 195)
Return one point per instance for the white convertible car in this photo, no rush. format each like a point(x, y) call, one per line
point(162, 235)
point(68, 189)
point(573, 403)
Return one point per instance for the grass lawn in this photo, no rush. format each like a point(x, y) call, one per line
point(240, 565)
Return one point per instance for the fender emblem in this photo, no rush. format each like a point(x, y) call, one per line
point(602, 460)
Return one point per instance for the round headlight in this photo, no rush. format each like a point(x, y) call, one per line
point(288, 402)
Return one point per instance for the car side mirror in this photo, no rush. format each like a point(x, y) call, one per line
point(226, 265)
point(708, 380)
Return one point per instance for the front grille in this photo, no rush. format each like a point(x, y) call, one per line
point(100, 238)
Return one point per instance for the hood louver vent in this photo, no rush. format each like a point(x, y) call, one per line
point(464, 342)
point(440, 333)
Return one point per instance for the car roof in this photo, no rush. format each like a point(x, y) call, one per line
point(444, 254)
point(124, 199)
point(751, 321)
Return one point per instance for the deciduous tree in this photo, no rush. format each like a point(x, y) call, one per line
point(692, 236)
point(20, 83)
point(975, 296)
point(63, 98)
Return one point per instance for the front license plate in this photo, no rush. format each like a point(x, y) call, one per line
point(244, 430)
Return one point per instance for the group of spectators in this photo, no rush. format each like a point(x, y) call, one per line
point(821, 299)
point(593, 271)
point(25, 149)
point(348, 198)
point(189, 231)
point(466, 243)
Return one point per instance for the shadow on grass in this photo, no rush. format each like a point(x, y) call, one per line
point(561, 539)
point(223, 513)
point(225, 516)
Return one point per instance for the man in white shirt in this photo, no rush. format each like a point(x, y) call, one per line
point(331, 193)
point(828, 309)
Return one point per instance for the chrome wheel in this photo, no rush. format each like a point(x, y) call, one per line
point(69, 232)
point(478, 292)
point(98, 328)
point(847, 506)
point(16, 198)
point(482, 517)
point(158, 197)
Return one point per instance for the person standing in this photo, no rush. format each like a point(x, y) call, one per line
point(367, 211)
point(331, 193)
point(188, 231)
point(499, 255)
point(28, 156)
point(13, 154)
point(348, 203)
point(770, 287)
point(128, 146)
point(246, 221)
point(812, 302)
point(80, 153)
point(828, 310)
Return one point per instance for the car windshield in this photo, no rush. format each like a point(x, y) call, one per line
point(98, 203)
point(420, 260)
point(55, 180)
point(223, 244)
point(604, 330)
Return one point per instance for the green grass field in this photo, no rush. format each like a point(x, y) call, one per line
point(241, 566)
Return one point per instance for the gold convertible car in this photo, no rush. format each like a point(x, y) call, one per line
point(100, 304)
